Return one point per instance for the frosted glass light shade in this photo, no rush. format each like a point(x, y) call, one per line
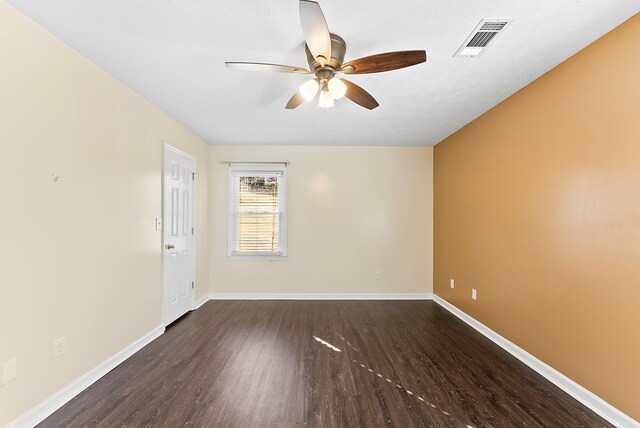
point(309, 89)
point(325, 101)
point(337, 88)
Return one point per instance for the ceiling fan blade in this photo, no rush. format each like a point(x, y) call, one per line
point(315, 30)
point(384, 62)
point(295, 101)
point(258, 66)
point(359, 96)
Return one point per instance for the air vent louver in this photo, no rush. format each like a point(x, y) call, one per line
point(480, 37)
point(493, 26)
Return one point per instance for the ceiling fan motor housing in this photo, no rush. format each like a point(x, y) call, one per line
point(338, 51)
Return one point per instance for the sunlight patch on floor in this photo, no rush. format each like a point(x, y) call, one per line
point(327, 344)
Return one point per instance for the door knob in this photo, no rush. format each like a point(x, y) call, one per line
point(170, 246)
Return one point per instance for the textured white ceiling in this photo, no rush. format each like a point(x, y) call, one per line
point(172, 52)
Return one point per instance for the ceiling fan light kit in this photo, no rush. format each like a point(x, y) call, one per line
point(325, 55)
point(337, 88)
point(325, 100)
point(309, 89)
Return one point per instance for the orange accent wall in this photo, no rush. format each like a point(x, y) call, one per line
point(537, 206)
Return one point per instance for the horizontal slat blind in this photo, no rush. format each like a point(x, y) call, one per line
point(258, 214)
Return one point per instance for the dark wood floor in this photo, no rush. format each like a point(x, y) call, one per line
point(259, 364)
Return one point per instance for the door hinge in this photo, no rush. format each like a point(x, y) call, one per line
point(193, 284)
point(193, 175)
point(193, 230)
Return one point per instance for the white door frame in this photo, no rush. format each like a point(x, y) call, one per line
point(165, 148)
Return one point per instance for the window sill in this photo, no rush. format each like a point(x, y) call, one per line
point(256, 257)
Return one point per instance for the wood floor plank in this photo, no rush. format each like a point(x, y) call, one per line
point(259, 364)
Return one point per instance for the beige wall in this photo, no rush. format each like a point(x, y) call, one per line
point(79, 257)
point(351, 211)
point(537, 206)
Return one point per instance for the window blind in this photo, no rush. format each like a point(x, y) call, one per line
point(258, 214)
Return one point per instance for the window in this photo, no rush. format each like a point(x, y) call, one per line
point(257, 225)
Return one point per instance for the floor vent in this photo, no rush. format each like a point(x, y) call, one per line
point(481, 36)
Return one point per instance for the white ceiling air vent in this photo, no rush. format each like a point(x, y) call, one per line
point(481, 36)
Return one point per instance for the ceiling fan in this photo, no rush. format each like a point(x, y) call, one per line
point(325, 55)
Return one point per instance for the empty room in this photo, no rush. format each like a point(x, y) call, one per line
point(298, 213)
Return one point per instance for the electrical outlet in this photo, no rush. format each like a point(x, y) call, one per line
point(267, 274)
point(377, 275)
point(474, 294)
point(58, 347)
point(452, 283)
point(9, 371)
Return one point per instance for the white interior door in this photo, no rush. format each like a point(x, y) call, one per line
point(178, 233)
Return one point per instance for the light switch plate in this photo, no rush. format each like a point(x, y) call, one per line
point(9, 371)
point(452, 283)
point(158, 223)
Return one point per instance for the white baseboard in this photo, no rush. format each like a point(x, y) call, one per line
point(59, 399)
point(589, 399)
point(320, 296)
point(201, 301)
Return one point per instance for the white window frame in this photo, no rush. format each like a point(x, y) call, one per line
point(247, 170)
